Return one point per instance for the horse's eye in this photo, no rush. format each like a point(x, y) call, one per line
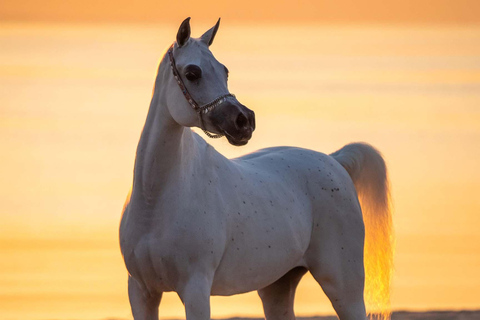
point(193, 72)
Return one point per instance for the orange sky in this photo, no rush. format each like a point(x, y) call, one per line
point(339, 11)
point(410, 90)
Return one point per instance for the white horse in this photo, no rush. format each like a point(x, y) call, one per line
point(200, 224)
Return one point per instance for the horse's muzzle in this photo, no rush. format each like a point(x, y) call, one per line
point(236, 122)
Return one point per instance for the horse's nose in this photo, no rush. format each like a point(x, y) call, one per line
point(235, 121)
point(245, 120)
point(241, 122)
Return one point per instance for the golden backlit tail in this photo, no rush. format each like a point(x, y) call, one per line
point(369, 174)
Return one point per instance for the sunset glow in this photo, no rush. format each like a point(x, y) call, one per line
point(75, 85)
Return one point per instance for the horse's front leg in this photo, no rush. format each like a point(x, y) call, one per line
point(144, 304)
point(195, 295)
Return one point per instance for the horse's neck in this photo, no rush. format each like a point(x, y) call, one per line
point(166, 151)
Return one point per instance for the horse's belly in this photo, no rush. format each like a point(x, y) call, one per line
point(258, 255)
point(234, 277)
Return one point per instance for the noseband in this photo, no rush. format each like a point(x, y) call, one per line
point(199, 109)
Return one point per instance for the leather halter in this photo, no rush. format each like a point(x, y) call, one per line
point(199, 109)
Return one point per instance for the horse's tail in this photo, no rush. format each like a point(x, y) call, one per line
point(369, 174)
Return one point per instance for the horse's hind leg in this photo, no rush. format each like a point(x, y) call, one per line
point(144, 305)
point(278, 297)
point(335, 259)
point(344, 288)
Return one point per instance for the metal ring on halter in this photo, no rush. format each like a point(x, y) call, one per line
point(200, 110)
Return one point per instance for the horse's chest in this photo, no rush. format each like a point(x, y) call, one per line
point(161, 252)
point(156, 261)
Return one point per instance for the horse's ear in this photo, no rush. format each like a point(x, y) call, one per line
point(183, 32)
point(208, 36)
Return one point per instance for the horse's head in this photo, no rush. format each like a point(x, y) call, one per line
point(198, 92)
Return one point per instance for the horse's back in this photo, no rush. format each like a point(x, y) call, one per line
point(293, 163)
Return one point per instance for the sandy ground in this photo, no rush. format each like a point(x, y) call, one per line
point(437, 315)
point(405, 315)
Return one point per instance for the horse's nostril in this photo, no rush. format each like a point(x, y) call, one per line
point(241, 121)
